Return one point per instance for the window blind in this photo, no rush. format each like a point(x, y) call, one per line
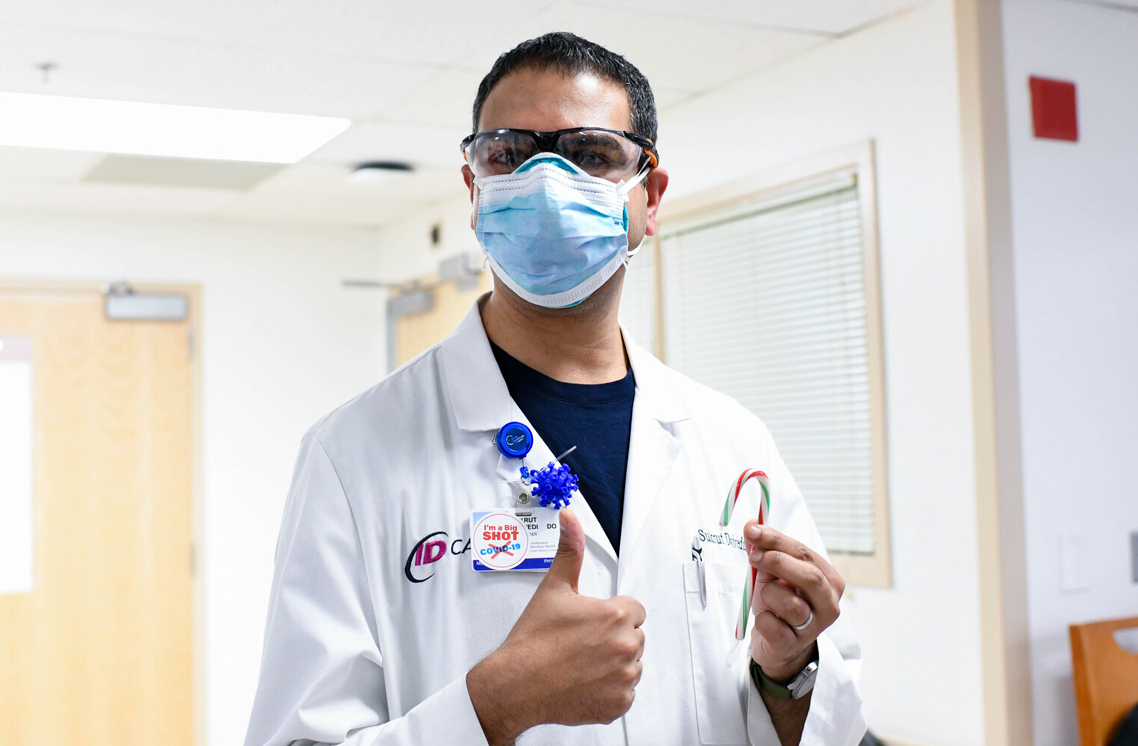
point(765, 301)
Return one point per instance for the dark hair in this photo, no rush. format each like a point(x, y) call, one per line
point(569, 54)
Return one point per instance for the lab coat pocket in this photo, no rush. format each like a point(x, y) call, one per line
point(719, 691)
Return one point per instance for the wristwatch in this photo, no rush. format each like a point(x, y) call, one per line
point(796, 688)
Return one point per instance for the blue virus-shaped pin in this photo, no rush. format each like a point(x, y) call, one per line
point(553, 485)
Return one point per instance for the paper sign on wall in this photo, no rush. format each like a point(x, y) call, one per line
point(16, 517)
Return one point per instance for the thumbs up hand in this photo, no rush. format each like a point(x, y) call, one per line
point(570, 659)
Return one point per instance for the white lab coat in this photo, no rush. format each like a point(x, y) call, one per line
point(368, 640)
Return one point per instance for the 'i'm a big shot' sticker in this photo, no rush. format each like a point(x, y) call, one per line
point(502, 540)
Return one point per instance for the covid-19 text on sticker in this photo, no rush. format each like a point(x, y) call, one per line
point(502, 540)
point(499, 541)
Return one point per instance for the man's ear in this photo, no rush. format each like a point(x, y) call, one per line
point(655, 184)
point(468, 177)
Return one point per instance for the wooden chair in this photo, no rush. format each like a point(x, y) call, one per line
point(1106, 679)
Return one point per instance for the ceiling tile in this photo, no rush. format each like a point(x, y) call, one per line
point(319, 193)
point(304, 207)
point(100, 65)
point(180, 172)
point(419, 145)
point(816, 16)
point(114, 198)
point(673, 52)
point(308, 175)
point(445, 101)
point(435, 32)
point(22, 165)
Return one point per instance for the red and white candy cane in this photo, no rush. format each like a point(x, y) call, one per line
point(764, 514)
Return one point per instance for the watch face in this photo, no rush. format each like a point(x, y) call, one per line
point(804, 681)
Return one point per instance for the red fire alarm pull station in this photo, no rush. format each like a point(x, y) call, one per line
point(1053, 112)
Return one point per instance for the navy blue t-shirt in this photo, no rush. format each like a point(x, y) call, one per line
point(597, 418)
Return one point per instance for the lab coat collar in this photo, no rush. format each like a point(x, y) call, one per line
point(478, 393)
point(653, 392)
point(479, 396)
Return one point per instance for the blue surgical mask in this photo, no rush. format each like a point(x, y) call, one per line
point(551, 232)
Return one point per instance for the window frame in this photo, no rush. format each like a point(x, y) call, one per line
point(868, 570)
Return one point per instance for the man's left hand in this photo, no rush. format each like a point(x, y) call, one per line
point(793, 582)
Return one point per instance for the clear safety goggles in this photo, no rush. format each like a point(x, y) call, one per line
point(600, 152)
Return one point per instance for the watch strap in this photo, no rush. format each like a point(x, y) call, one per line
point(793, 689)
point(768, 685)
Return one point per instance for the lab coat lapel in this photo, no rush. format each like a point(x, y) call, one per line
point(478, 394)
point(653, 447)
point(481, 401)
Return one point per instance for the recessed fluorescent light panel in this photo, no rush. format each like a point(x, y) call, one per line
point(33, 121)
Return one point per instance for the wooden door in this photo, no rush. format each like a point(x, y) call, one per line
point(416, 332)
point(100, 651)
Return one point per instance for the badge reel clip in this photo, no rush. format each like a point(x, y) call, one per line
point(515, 440)
point(551, 485)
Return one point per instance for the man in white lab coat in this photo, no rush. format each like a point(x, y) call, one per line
point(380, 629)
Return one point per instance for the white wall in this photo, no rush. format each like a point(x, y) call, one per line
point(1075, 226)
point(895, 83)
point(282, 344)
point(405, 246)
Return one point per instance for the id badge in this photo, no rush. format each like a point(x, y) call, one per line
point(501, 539)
